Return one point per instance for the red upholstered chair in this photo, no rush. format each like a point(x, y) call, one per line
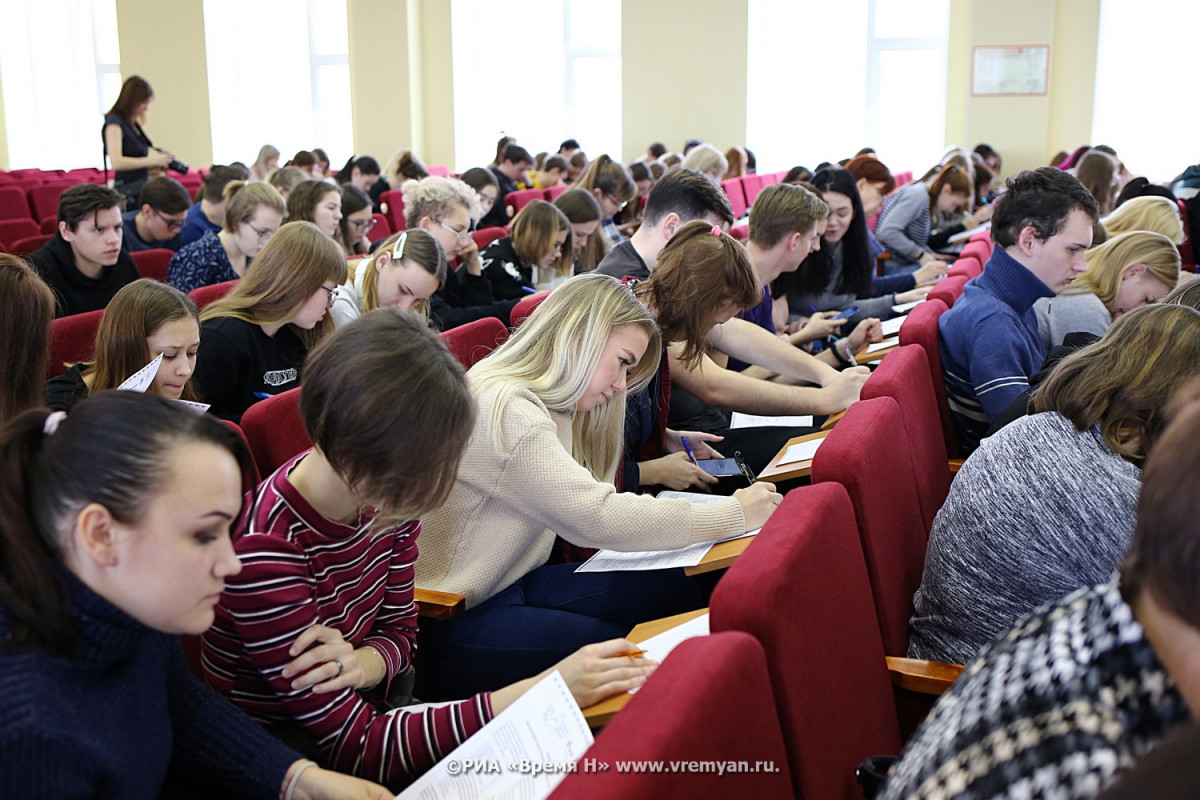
point(741, 231)
point(752, 184)
point(441, 170)
point(554, 191)
point(204, 295)
point(255, 477)
point(13, 203)
point(49, 225)
point(29, 244)
point(525, 307)
point(471, 342)
point(12, 230)
point(1187, 252)
point(518, 200)
point(73, 339)
point(977, 249)
point(867, 453)
point(709, 701)
point(274, 430)
point(801, 589)
point(485, 236)
point(737, 196)
point(970, 266)
point(382, 228)
point(392, 203)
point(44, 199)
point(921, 328)
point(904, 376)
point(949, 289)
point(770, 178)
point(153, 263)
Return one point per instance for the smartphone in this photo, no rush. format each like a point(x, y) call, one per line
point(848, 313)
point(719, 467)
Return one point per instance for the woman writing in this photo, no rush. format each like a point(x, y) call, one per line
point(144, 320)
point(356, 221)
point(99, 578)
point(126, 144)
point(583, 212)
point(403, 273)
point(541, 461)
point(905, 223)
point(536, 256)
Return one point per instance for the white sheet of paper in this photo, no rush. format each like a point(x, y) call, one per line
point(962, 236)
point(741, 420)
point(140, 381)
point(659, 647)
point(803, 451)
point(904, 308)
point(199, 408)
point(613, 561)
point(884, 345)
point(892, 326)
point(542, 726)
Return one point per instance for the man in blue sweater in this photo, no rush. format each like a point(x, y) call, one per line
point(1042, 226)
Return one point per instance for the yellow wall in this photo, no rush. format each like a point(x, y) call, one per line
point(168, 50)
point(683, 73)
point(437, 83)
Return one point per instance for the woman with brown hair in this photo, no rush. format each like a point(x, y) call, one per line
point(613, 187)
point(255, 338)
point(356, 222)
point(404, 272)
point(26, 313)
point(317, 202)
point(125, 143)
point(583, 212)
point(144, 320)
point(537, 255)
point(905, 223)
point(1046, 505)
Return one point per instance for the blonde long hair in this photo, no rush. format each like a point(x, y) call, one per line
point(419, 247)
point(555, 353)
point(1107, 264)
point(1149, 213)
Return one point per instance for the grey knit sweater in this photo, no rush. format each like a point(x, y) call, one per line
point(1038, 511)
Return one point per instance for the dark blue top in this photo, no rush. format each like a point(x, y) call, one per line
point(108, 721)
point(134, 143)
point(201, 263)
point(761, 315)
point(990, 344)
point(133, 242)
point(196, 225)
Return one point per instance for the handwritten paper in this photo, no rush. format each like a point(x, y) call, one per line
point(904, 308)
point(892, 326)
point(803, 451)
point(140, 381)
point(543, 726)
point(741, 420)
point(884, 345)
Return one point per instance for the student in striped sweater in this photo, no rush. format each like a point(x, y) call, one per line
point(315, 634)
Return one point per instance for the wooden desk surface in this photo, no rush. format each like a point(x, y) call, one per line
point(599, 714)
point(775, 472)
point(722, 555)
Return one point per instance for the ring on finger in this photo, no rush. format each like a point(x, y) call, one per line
point(340, 666)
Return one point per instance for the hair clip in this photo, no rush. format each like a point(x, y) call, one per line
point(716, 230)
point(398, 247)
point(53, 420)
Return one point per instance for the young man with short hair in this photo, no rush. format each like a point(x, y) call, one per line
point(509, 173)
point(83, 262)
point(553, 172)
point(990, 345)
point(164, 204)
point(209, 213)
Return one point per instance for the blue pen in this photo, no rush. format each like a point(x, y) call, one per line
point(688, 448)
point(528, 290)
point(813, 309)
point(262, 395)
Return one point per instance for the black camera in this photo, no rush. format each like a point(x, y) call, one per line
point(175, 165)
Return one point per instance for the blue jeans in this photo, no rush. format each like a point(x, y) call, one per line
point(544, 617)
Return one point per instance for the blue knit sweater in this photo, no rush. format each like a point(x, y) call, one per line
point(110, 720)
point(990, 344)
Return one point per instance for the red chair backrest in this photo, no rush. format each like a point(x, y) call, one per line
point(737, 196)
point(392, 203)
point(525, 307)
point(12, 230)
point(471, 342)
point(485, 236)
point(274, 430)
point(204, 295)
point(13, 203)
point(769, 178)
point(978, 250)
point(970, 266)
point(904, 376)
point(29, 244)
point(710, 700)
point(518, 200)
point(1187, 252)
point(949, 289)
point(752, 184)
point(153, 263)
point(73, 339)
point(554, 191)
point(866, 452)
point(801, 589)
point(921, 328)
point(44, 199)
point(382, 228)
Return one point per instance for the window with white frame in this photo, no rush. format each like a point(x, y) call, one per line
point(290, 89)
point(826, 79)
point(1143, 107)
point(541, 71)
point(60, 66)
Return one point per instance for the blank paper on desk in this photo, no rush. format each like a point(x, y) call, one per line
point(804, 451)
point(884, 345)
point(891, 327)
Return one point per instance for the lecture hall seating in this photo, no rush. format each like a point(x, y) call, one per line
point(153, 263)
point(921, 328)
point(72, 339)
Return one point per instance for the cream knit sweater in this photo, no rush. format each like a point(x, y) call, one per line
point(501, 517)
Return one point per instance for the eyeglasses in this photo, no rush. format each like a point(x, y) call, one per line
point(464, 236)
point(618, 203)
point(363, 225)
point(263, 236)
point(172, 224)
point(334, 293)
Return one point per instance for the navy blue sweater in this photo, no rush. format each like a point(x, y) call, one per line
point(113, 718)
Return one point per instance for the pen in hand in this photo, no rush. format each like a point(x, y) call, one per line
point(688, 448)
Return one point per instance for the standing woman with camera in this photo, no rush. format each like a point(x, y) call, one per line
point(126, 145)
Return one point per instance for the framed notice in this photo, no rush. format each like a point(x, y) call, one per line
point(1010, 70)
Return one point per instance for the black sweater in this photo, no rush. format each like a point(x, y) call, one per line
point(240, 365)
point(75, 292)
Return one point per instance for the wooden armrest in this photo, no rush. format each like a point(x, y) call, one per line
point(955, 464)
point(438, 605)
point(925, 677)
